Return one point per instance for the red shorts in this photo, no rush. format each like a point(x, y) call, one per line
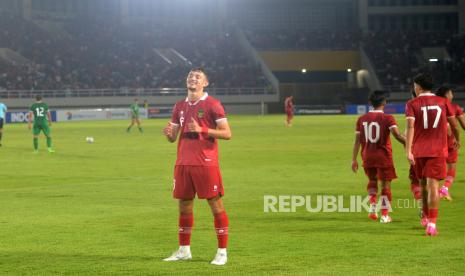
point(430, 167)
point(387, 173)
point(412, 175)
point(452, 156)
point(201, 180)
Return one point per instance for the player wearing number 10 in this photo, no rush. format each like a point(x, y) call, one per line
point(40, 115)
point(426, 146)
point(372, 133)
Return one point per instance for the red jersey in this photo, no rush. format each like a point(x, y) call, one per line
point(430, 113)
point(288, 105)
point(457, 110)
point(375, 128)
point(197, 149)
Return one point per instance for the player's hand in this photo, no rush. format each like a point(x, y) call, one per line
point(193, 126)
point(457, 145)
point(410, 158)
point(168, 130)
point(354, 166)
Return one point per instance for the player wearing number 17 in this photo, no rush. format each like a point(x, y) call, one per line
point(40, 120)
point(373, 134)
point(426, 146)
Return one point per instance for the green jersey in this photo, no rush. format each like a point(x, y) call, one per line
point(40, 111)
point(134, 109)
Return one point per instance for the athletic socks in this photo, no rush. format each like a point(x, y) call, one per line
point(49, 142)
point(416, 190)
point(140, 129)
point(386, 194)
point(432, 215)
point(36, 143)
point(450, 177)
point(221, 227)
point(372, 189)
point(186, 221)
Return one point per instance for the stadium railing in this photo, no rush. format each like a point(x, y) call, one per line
point(128, 92)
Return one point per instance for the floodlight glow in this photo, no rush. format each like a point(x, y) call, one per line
point(304, 71)
point(349, 70)
point(433, 60)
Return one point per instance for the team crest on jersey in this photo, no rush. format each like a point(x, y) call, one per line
point(200, 113)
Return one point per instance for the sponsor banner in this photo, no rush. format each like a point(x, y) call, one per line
point(159, 112)
point(22, 116)
point(98, 114)
point(314, 110)
point(362, 109)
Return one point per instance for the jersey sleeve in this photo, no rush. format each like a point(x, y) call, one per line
point(391, 122)
point(458, 110)
point(31, 108)
point(46, 107)
point(449, 110)
point(218, 112)
point(409, 114)
point(175, 116)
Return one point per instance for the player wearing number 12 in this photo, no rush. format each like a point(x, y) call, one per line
point(40, 120)
point(373, 134)
point(426, 146)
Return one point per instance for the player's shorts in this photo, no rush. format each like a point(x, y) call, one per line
point(412, 175)
point(134, 117)
point(387, 173)
point(204, 181)
point(452, 156)
point(1, 122)
point(431, 167)
point(37, 128)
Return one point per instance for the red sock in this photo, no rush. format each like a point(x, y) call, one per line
point(186, 221)
point(416, 190)
point(386, 192)
point(450, 177)
point(433, 215)
point(372, 189)
point(221, 227)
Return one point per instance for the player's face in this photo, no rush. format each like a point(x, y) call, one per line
point(196, 81)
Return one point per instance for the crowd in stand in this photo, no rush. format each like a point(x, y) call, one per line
point(93, 55)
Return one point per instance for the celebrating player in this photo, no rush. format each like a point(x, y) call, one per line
point(135, 118)
point(201, 120)
point(372, 133)
point(40, 115)
point(3, 109)
point(426, 146)
point(452, 156)
point(289, 107)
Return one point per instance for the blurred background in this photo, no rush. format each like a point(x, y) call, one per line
point(328, 54)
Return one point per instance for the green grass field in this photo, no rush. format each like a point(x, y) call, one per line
point(106, 208)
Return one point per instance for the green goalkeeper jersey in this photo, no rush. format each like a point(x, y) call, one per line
point(134, 109)
point(40, 111)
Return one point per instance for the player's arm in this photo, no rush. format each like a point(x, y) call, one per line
point(399, 136)
point(49, 117)
point(222, 131)
point(409, 139)
point(355, 152)
point(31, 115)
point(461, 121)
point(455, 130)
point(171, 132)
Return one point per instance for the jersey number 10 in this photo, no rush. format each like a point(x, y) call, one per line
point(370, 129)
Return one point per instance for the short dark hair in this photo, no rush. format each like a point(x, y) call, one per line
point(442, 91)
point(424, 80)
point(377, 98)
point(38, 97)
point(199, 69)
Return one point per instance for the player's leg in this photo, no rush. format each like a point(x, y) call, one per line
point(1, 131)
point(138, 124)
point(372, 189)
point(130, 126)
point(424, 203)
point(386, 200)
point(221, 228)
point(433, 205)
point(47, 131)
point(444, 190)
point(35, 137)
point(183, 190)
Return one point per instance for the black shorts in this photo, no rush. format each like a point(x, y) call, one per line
point(1, 122)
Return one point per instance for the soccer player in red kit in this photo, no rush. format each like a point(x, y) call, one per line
point(199, 120)
point(373, 134)
point(426, 146)
point(289, 107)
point(452, 156)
